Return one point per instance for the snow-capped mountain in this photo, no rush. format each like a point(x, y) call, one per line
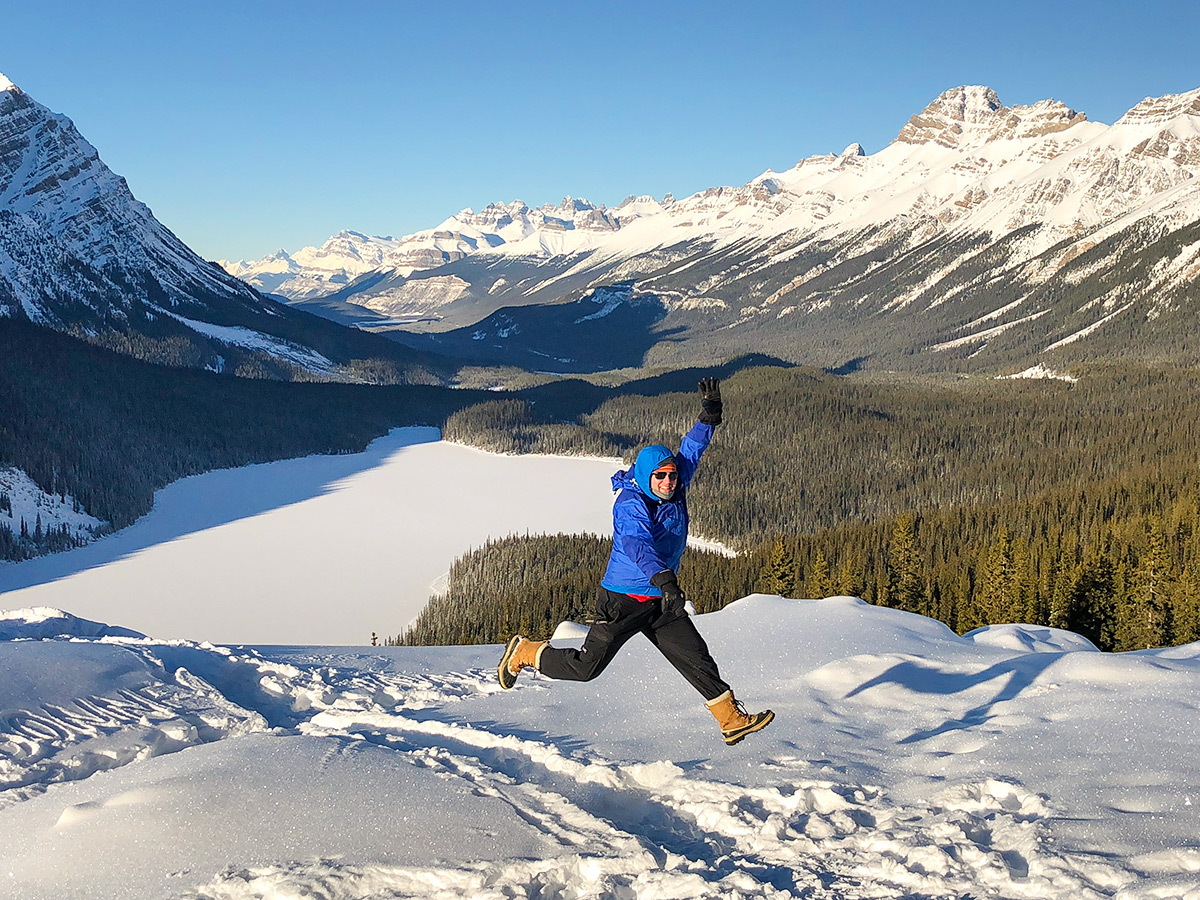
point(79, 253)
point(548, 230)
point(1018, 231)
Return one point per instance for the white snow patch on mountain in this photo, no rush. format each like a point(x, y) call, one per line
point(1084, 332)
point(22, 500)
point(987, 333)
point(1041, 371)
point(239, 336)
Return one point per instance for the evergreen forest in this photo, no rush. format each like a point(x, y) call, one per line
point(975, 502)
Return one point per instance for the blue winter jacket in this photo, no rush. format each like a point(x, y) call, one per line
point(649, 534)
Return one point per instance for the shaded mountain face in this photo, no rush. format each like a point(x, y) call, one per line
point(79, 253)
point(983, 237)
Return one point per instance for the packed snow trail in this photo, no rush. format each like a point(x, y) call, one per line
point(901, 764)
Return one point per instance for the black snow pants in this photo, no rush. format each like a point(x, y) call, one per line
point(618, 618)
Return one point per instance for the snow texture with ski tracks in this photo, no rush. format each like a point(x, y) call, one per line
point(904, 761)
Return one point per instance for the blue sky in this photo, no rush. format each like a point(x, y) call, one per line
point(256, 125)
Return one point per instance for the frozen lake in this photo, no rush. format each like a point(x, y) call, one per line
point(318, 550)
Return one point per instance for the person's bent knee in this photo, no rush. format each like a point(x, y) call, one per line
point(570, 665)
point(591, 671)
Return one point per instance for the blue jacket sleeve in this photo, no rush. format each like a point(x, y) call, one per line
point(691, 449)
point(631, 530)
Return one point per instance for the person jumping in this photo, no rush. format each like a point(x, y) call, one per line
point(640, 592)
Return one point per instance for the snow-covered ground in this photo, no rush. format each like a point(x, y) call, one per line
point(23, 500)
point(325, 549)
point(905, 761)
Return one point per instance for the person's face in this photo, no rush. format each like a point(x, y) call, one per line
point(663, 482)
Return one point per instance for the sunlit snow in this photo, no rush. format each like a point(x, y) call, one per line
point(905, 761)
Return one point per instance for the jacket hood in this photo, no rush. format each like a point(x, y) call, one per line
point(649, 459)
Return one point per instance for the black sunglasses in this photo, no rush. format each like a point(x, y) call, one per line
point(659, 476)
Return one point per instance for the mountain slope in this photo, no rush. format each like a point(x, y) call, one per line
point(79, 253)
point(983, 237)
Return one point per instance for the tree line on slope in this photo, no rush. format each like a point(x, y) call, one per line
point(529, 584)
point(1118, 563)
point(802, 451)
point(1044, 503)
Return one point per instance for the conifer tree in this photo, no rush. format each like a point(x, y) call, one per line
point(997, 584)
point(1144, 617)
point(1185, 608)
point(1093, 606)
point(906, 582)
point(1023, 601)
point(818, 584)
point(780, 576)
point(850, 583)
point(1062, 587)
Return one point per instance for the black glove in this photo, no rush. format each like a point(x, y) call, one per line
point(710, 401)
point(673, 596)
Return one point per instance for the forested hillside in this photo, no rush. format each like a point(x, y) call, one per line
point(109, 430)
point(976, 503)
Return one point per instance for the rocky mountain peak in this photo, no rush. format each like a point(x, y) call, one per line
point(943, 120)
point(6, 85)
point(974, 114)
point(570, 206)
point(70, 202)
point(1161, 110)
point(1042, 118)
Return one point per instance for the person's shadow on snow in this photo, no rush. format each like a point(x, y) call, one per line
point(1018, 674)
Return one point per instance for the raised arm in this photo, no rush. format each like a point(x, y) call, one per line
point(695, 441)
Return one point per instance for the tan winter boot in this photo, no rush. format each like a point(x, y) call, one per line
point(520, 653)
point(735, 722)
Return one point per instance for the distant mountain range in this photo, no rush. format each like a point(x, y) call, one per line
point(80, 254)
point(983, 237)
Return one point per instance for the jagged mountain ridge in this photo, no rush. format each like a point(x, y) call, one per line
point(964, 234)
point(317, 271)
point(79, 253)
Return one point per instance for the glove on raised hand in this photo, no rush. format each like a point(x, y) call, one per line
point(673, 596)
point(710, 401)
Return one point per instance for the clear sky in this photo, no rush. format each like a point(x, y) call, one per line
point(250, 126)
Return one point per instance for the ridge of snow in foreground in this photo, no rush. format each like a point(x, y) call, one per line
point(905, 761)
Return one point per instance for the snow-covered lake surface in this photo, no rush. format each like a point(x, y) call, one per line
point(905, 761)
point(325, 549)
